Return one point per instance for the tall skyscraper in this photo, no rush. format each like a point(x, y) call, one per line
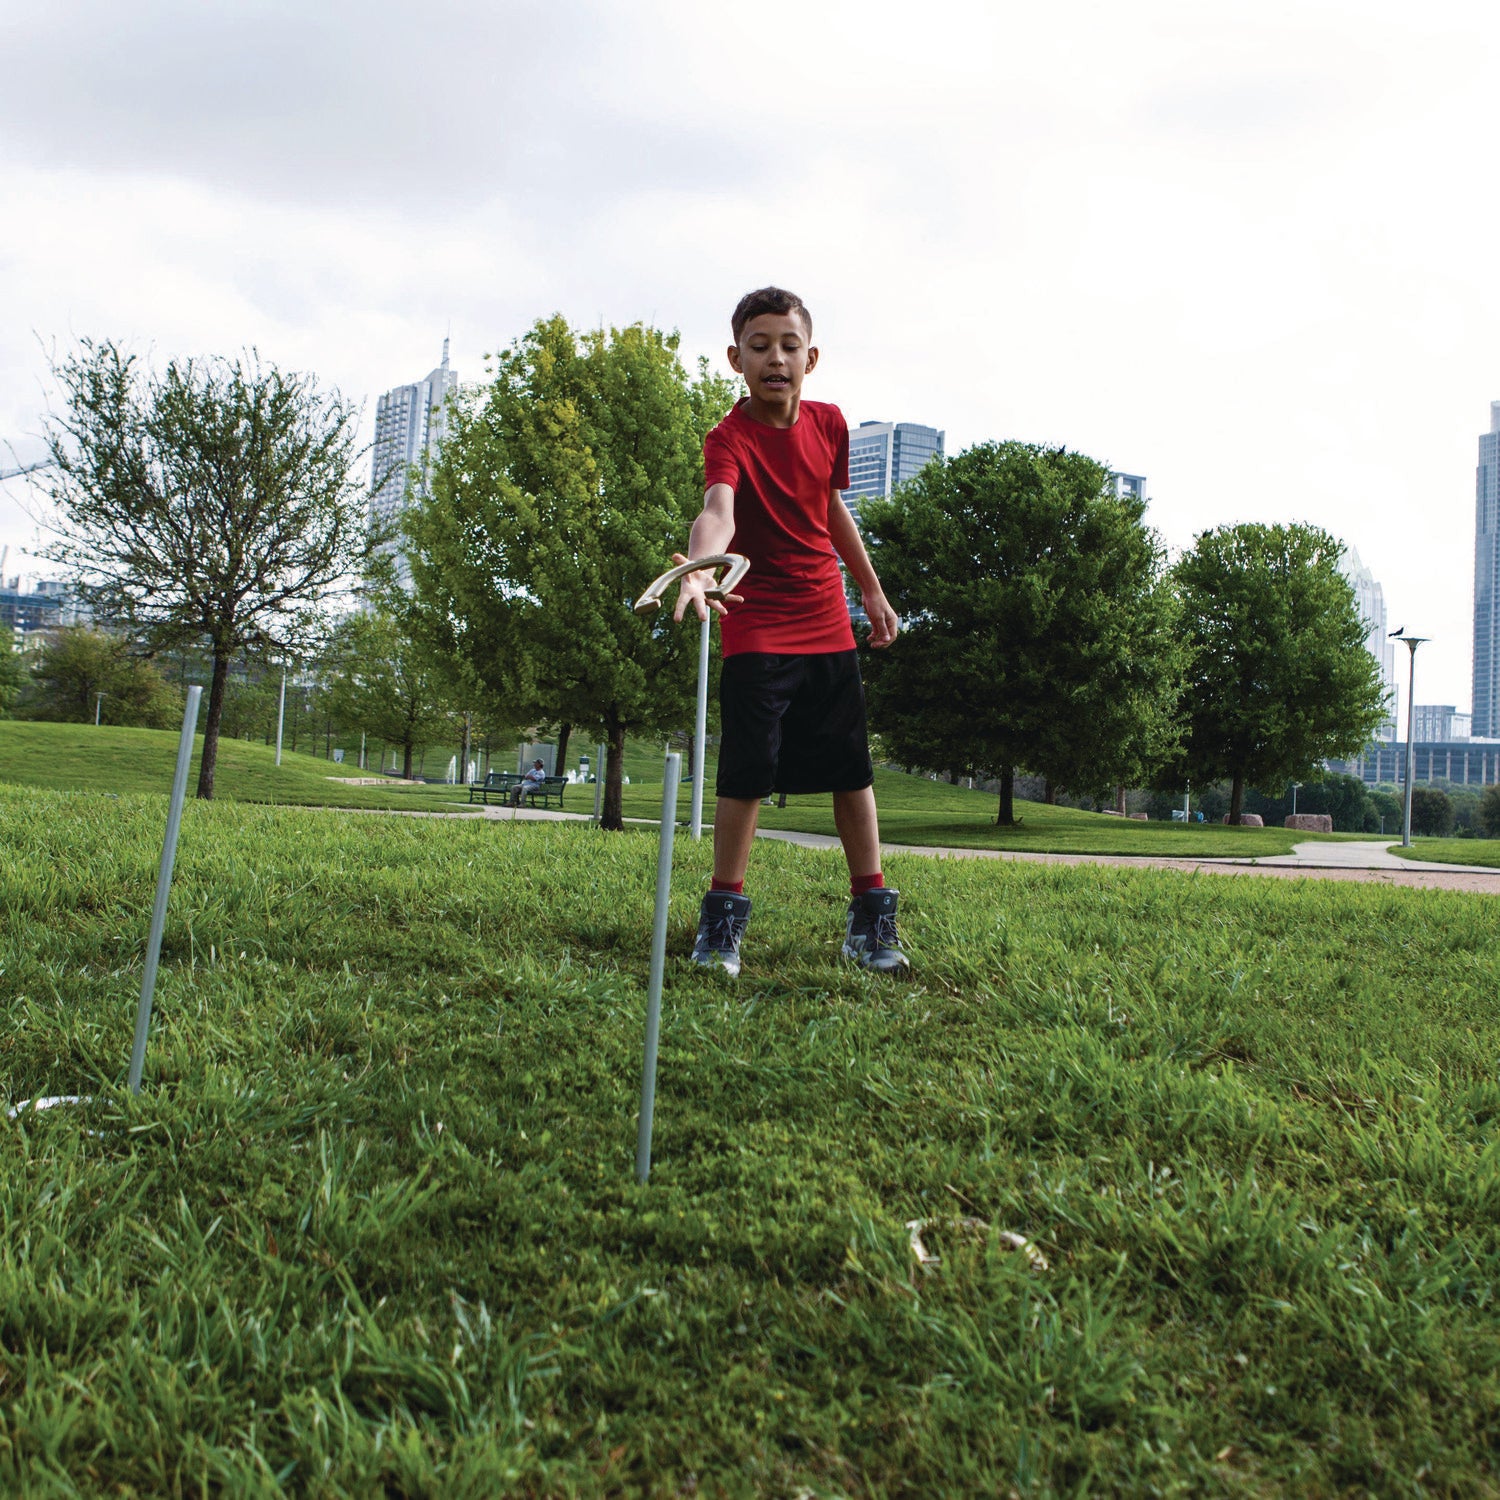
point(885, 454)
point(409, 425)
point(1487, 580)
point(1370, 597)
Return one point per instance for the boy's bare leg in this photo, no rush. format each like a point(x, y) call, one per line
point(859, 830)
point(734, 832)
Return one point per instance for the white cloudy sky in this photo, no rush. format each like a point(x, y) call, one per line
point(1248, 251)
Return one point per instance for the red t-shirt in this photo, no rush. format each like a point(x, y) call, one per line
point(783, 478)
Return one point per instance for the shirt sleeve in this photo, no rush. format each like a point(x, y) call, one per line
point(840, 436)
point(720, 464)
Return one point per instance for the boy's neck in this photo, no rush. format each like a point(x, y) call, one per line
point(782, 414)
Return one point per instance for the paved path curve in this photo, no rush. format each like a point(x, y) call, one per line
point(1342, 860)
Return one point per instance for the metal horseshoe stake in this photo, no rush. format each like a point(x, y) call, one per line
point(738, 566)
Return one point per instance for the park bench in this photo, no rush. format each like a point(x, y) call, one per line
point(496, 787)
point(500, 786)
point(549, 791)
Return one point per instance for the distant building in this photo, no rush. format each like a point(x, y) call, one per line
point(1487, 580)
point(409, 425)
point(24, 612)
point(1440, 721)
point(1370, 597)
point(1129, 486)
point(883, 455)
point(1466, 762)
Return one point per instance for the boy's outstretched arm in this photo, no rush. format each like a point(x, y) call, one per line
point(712, 533)
point(851, 548)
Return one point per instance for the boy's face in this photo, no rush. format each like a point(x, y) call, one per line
point(773, 355)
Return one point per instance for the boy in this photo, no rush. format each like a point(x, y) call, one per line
point(793, 708)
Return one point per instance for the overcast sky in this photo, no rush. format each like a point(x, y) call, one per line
point(1249, 252)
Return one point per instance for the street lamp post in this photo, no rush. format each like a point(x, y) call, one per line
point(1411, 642)
point(280, 715)
point(98, 707)
point(1295, 785)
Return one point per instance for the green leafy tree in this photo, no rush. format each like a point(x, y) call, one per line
point(1389, 809)
point(1280, 679)
point(79, 664)
point(1036, 628)
point(1431, 812)
point(12, 674)
point(562, 489)
point(1489, 812)
point(213, 503)
point(382, 679)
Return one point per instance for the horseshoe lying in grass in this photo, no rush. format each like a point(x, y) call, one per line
point(927, 1260)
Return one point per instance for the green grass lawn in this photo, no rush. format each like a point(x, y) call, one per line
point(913, 810)
point(372, 1226)
point(1453, 851)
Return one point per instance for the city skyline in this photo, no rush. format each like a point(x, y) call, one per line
point(1161, 235)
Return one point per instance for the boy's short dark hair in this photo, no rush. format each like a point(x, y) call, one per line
point(768, 299)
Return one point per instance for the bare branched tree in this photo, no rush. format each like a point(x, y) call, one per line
point(214, 503)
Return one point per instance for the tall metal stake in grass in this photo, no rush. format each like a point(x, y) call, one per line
point(658, 964)
point(700, 729)
point(163, 886)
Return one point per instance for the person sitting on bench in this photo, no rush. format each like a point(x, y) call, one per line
point(530, 782)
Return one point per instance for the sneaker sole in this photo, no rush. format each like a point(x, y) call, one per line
point(876, 965)
point(722, 966)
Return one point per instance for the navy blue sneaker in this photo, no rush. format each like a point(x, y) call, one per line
point(721, 926)
point(870, 936)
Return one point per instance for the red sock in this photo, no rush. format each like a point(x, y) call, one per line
point(735, 887)
point(859, 884)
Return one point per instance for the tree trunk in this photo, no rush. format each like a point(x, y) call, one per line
point(1120, 800)
point(564, 734)
point(210, 759)
point(611, 816)
point(406, 762)
point(1050, 794)
point(1007, 815)
point(1236, 797)
point(463, 765)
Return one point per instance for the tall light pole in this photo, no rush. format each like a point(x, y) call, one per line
point(98, 706)
point(1411, 642)
point(280, 715)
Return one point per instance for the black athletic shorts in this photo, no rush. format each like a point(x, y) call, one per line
point(792, 724)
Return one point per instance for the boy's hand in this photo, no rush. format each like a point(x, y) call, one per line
point(690, 590)
point(884, 622)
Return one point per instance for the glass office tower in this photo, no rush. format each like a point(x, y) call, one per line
point(1486, 597)
point(883, 455)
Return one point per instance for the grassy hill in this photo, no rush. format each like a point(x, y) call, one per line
point(913, 810)
point(80, 757)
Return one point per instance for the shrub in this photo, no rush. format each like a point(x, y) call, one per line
point(1431, 812)
point(1489, 812)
